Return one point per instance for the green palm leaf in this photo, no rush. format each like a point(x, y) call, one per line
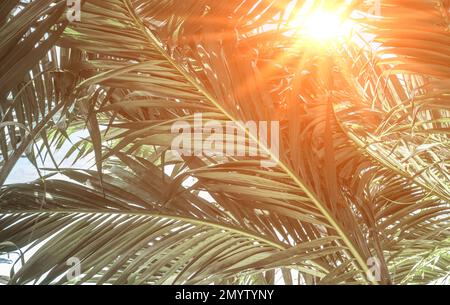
point(362, 169)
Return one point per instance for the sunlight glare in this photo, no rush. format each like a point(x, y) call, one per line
point(322, 26)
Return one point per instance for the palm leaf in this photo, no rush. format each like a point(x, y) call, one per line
point(351, 182)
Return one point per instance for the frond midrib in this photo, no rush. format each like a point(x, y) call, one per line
point(275, 244)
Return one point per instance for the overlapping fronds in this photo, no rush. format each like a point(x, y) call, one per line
point(363, 164)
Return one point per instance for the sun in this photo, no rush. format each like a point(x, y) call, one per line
point(322, 26)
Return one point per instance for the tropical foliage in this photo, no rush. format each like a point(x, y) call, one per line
point(363, 169)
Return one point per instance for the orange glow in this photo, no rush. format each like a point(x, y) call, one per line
point(321, 25)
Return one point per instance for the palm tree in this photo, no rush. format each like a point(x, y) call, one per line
point(360, 193)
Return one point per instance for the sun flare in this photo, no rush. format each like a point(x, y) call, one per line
point(322, 26)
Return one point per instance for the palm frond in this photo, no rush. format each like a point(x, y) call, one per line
point(362, 169)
